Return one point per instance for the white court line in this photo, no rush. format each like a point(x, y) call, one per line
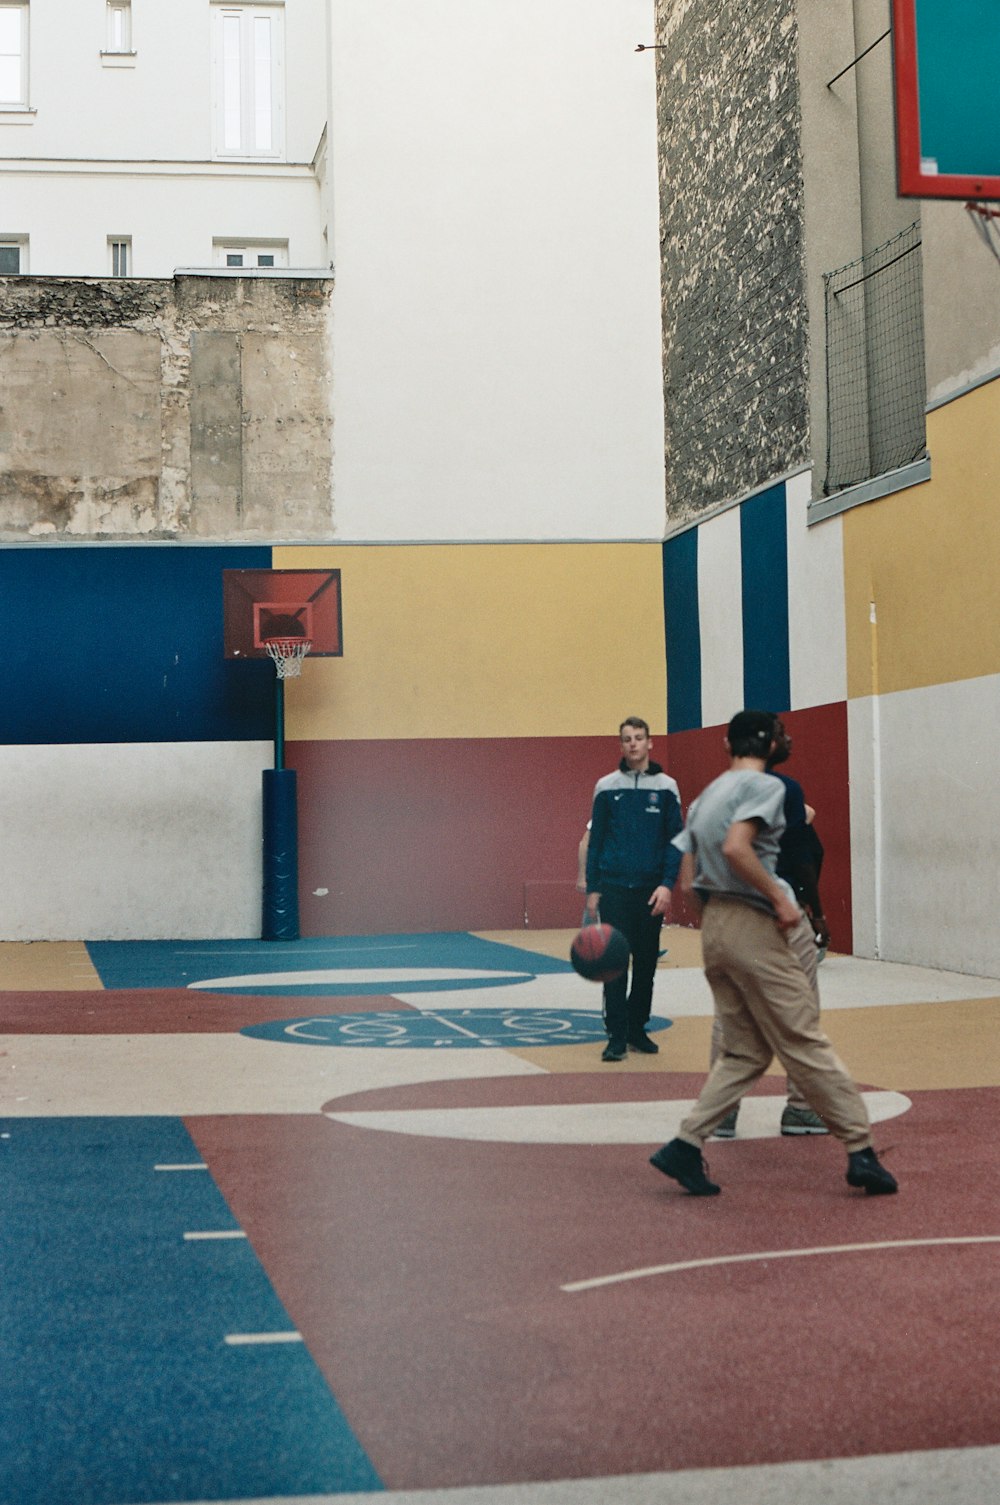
point(743, 1259)
point(197, 1166)
point(242, 1339)
point(219, 1233)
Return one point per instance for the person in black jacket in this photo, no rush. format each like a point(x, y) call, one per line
point(800, 856)
point(632, 865)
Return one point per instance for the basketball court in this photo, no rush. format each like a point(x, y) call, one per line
point(305, 1220)
point(316, 1220)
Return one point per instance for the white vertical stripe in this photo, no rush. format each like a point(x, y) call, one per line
point(720, 610)
point(817, 644)
point(861, 762)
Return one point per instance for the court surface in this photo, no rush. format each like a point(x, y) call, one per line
point(330, 1219)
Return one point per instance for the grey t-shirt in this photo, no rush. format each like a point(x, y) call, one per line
point(740, 794)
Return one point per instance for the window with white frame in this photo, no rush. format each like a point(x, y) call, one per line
point(13, 255)
point(248, 80)
point(119, 26)
point(13, 55)
point(120, 255)
point(251, 254)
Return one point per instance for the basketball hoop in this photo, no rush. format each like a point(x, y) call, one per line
point(288, 654)
point(986, 221)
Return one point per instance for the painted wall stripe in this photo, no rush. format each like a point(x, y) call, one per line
point(764, 552)
point(720, 591)
point(682, 630)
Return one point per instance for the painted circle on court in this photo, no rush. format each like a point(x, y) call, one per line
point(355, 982)
point(458, 1029)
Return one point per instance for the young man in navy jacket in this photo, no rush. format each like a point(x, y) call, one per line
point(632, 866)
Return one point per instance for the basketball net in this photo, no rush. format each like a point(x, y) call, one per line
point(986, 222)
point(287, 654)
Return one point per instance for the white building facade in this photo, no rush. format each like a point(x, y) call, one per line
point(136, 137)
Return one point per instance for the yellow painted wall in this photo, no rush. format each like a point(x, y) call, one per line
point(930, 559)
point(485, 640)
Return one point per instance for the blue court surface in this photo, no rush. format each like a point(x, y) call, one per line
point(411, 963)
point(153, 1360)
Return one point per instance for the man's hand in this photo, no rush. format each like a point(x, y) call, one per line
point(738, 850)
point(593, 905)
point(659, 900)
point(820, 929)
point(786, 911)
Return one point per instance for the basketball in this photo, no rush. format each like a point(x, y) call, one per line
point(599, 953)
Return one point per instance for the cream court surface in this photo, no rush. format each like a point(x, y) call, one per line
point(320, 1220)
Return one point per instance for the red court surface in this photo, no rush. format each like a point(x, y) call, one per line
point(431, 1296)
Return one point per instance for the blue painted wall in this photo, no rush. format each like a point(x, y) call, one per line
point(126, 646)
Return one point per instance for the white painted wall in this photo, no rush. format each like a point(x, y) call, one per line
point(141, 841)
point(817, 633)
point(497, 303)
point(720, 617)
point(921, 890)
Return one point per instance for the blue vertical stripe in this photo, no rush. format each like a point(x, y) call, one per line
point(764, 558)
point(682, 630)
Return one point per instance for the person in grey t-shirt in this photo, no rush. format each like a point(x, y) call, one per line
point(765, 1002)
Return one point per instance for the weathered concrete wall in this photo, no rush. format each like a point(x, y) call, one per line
point(734, 309)
point(198, 407)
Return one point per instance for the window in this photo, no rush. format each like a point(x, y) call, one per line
point(13, 256)
point(233, 254)
point(13, 56)
point(119, 26)
point(120, 254)
point(248, 76)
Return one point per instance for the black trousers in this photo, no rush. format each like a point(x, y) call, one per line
point(628, 1001)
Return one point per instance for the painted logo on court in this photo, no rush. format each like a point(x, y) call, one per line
point(458, 1029)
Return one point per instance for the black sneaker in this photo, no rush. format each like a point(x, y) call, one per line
point(613, 1051)
point(643, 1045)
point(683, 1162)
point(865, 1169)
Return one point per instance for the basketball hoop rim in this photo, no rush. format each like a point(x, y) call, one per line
point(287, 654)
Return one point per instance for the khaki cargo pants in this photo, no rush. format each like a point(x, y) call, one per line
point(768, 1006)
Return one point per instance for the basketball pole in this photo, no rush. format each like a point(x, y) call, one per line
point(280, 907)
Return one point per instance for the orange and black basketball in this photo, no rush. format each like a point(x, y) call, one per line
point(599, 953)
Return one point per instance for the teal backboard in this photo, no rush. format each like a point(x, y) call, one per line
point(946, 68)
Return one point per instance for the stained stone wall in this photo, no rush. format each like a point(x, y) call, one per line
point(734, 306)
point(194, 407)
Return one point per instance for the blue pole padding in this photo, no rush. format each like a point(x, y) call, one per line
point(281, 856)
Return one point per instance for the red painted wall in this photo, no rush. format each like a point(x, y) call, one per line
point(443, 835)
point(466, 834)
point(819, 762)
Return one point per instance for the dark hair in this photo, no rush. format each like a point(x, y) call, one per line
point(634, 721)
point(750, 733)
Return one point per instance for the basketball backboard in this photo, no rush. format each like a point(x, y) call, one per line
point(947, 99)
point(262, 604)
